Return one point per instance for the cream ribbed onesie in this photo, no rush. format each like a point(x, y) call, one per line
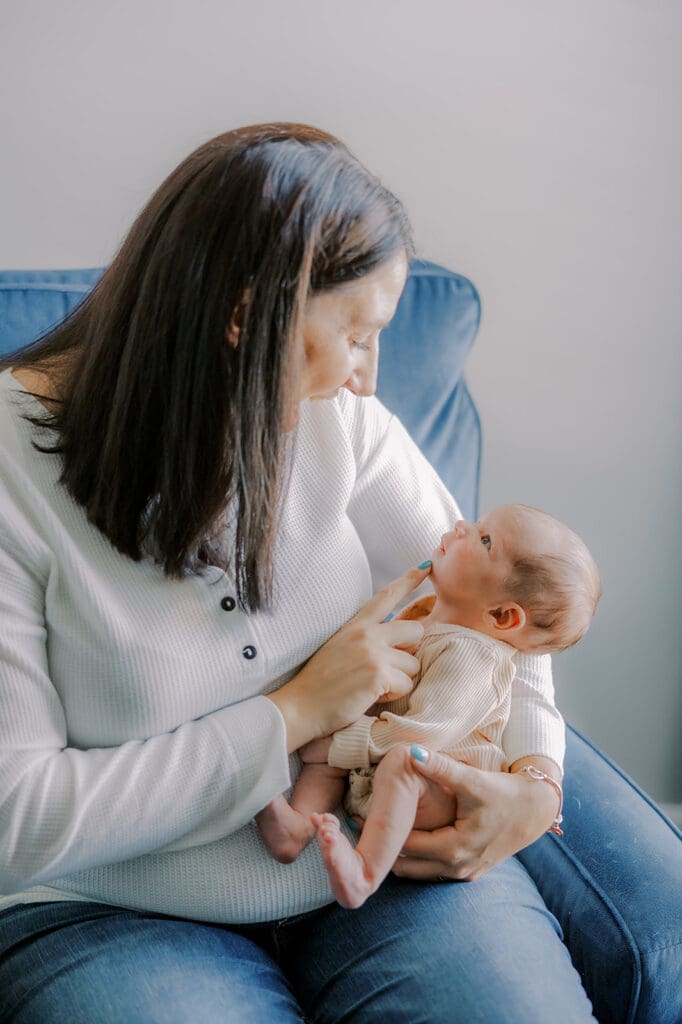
point(460, 704)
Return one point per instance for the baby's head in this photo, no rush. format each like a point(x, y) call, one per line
point(519, 575)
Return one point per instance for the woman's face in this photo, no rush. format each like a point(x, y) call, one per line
point(339, 343)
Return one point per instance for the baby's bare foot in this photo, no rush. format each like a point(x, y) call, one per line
point(345, 866)
point(285, 832)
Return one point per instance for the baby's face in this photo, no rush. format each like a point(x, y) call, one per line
point(474, 559)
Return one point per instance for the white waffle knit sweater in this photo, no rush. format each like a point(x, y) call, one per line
point(135, 741)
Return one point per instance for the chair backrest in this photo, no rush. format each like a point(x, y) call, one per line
point(422, 356)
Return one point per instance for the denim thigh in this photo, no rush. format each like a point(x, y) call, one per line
point(88, 963)
point(469, 953)
point(440, 953)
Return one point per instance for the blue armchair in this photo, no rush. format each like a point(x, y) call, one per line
point(614, 880)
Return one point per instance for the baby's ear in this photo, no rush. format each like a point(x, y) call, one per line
point(506, 618)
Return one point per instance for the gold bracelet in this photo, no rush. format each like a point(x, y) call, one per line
point(533, 772)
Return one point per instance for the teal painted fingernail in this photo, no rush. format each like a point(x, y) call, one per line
point(388, 617)
point(425, 564)
point(419, 753)
point(352, 825)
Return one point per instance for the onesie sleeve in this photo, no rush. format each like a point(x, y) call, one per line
point(457, 692)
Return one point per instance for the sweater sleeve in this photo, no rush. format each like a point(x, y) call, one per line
point(458, 691)
point(63, 809)
point(399, 505)
point(400, 508)
point(535, 725)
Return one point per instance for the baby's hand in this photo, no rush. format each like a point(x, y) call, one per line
point(420, 608)
point(317, 751)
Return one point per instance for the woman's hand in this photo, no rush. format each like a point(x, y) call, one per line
point(496, 815)
point(361, 664)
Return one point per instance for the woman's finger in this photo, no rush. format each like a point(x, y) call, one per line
point(395, 684)
point(399, 633)
point(432, 871)
point(442, 769)
point(385, 600)
point(419, 870)
point(405, 662)
point(430, 854)
point(436, 847)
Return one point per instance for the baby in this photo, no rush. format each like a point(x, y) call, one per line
point(518, 580)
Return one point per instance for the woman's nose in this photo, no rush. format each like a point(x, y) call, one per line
point(363, 379)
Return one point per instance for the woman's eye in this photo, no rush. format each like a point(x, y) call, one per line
point(485, 540)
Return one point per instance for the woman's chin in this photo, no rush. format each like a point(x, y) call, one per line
point(325, 396)
point(293, 416)
point(291, 421)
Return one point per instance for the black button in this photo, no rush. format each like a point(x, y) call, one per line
point(228, 604)
point(249, 652)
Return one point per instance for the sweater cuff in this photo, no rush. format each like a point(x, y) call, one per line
point(254, 735)
point(542, 732)
point(350, 746)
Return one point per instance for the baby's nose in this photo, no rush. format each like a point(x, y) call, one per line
point(461, 528)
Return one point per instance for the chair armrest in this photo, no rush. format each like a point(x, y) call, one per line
point(614, 882)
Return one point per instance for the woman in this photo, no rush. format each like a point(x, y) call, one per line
point(199, 493)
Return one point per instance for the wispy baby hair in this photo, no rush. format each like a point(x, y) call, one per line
point(555, 581)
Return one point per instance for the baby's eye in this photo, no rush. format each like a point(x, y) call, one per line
point(485, 540)
point(359, 343)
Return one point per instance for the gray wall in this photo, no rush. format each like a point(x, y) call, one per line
point(536, 146)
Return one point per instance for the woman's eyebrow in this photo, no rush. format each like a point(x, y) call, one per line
point(368, 325)
point(372, 324)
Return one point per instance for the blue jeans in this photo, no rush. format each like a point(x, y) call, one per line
point(483, 952)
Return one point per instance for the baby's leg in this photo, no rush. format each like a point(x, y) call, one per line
point(286, 829)
point(356, 873)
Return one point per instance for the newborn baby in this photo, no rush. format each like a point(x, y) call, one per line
point(517, 580)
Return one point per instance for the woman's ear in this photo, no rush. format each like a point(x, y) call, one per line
point(234, 328)
point(506, 617)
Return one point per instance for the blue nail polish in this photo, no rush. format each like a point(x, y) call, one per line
point(425, 564)
point(388, 617)
point(352, 825)
point(419, 753)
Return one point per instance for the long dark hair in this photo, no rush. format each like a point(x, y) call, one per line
point(162, 424)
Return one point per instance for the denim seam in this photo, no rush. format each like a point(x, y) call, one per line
point(619, 920)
